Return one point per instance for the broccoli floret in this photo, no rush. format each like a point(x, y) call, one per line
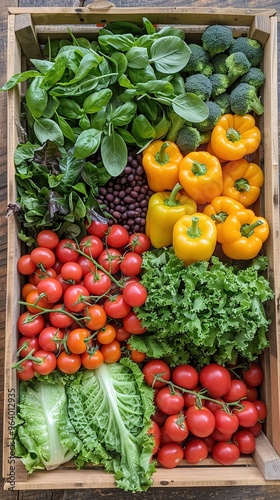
point(219, 63)
point(255, 77)
point(250, 47)
point(176, 123)
point(209, 123)
point(198, 61)
point(237, 64)
point(217, 38)
point(220, 83)
point(244, 99)
point(189, 139)
point(223, 100)
point(200, 85)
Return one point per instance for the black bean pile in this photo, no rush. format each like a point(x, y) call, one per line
point(126, 197)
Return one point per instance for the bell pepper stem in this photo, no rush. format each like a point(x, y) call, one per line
point(242, 184)
point(171, 201)
point(161, 156)
point(219, 217)
point(248, 229)
point(193, 231)
point(233, 135)
point(199, 168)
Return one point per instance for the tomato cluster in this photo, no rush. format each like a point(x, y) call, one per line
point(212, 412)
point(79, 300)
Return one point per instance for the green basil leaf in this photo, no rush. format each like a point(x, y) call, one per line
point(18, 78)
point(123, 114)
point(118, 42)
point(42, 65)
point(87, 143)
point(137, 57)
point(55, 73)
point(114, 154)
point(162, 127)
point(98, 120)
point(141, 75)
point(36, 98)
point(142, 128)
point(46, 129)
point(127, 95)
point(69, 108)
point(121, 27)
point(170, 54)
point(51, 107)
point(127, 136)
point(125, 82)
point(149, 27)
point(148, 108)
point(171, 31)
point(80, 188)
point(24, 151)
point(156, 87)
point(89, 61)
point(121, 62)
point(66, 129)
point(190, 107)
point(90, 174)
point(84, 122)
point(178, 84)
point(95, 102)
point(77, 89)
point(79, 210)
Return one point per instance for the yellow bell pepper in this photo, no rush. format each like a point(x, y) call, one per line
point(219, 209)
point(200, 174)
point(235, 136)
point(160, 161)
point(242, 181)
point(194, 238)
point(244, 234)
point(164, 209)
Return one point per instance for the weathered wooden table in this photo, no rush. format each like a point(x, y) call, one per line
point(234, 492)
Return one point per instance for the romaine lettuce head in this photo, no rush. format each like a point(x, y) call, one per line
point(44, 436)
point(110, 409)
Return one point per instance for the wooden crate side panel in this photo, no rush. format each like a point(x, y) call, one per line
point(13, 285)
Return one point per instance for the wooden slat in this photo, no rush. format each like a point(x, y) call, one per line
point(27, 37)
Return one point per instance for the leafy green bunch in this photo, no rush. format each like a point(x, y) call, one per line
point(108, 93)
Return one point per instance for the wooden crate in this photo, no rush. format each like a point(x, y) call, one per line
point(28, 29)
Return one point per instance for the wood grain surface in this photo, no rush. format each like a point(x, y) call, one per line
point(220, 493)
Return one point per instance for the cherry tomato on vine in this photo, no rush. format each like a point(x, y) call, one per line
point(41, 274)
point(95, 317)
point(98, 228)
point(170, 455)
point(247, 415)
point(226, 421)
point(133, 324)
point(191, 399)
point(135, 294)
point(97, 282)
point(75, 298)
point(68, 363)
point(216, 379)
point(185, 376)
point(43, 257)
point(30, 343)
point(26, 265)
point(111, 352)
point(91, 245)
point(131, 264)
point(28, 287)
point(30, 324)
point(48, 362)
point(86, 264)
point(214, 405)
point(66, 250)
point(201, 421)
point(52, 289)
point(25, 371)
point(110, 260)
point(92, 360)
point(47, 238)
point(176, 427)
point(252, 393)
point(76, 340)
point(237, 390)
point(169, 401)
point(71, 272)
point(117, 236)
point(106, 334)
point(220, 436)
point(116, 307)
point(261, 409)
point(50, 338)
point(254, 429)
point(35, 302)
point(254, 375)
point(245, 441)
point(137, 356)
point(225, 453)
point(58, 316)
point(139, 243)
point(196, 450)
point(156, 367)
point(122, 334)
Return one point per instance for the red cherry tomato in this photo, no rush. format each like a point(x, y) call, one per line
point(254, 375)
point(68, 363)
point(196, 450)
point(170, 455)
point(110, 260)
point(28, 344)
point(66, 250)
point(225, 421)
point(106, 334)
point(71, 272)
point(225, 453)
point(98, 228)
point(75, 298)
point(111, 352)
point(131, 264)
point(169, 401)
point(25, 371)
point(201, 421)
point(58, 316)
point(185, 376)
point(97, 282)
point(133, 324)
point(190, 399)
point(245, 441)
point(50, 338)
point(42, 256)
point(47, 238)
point(237, 390)
point(261, 409)
point(154, 430)
point(116, 307)
point(30, 324)
point(47, 364)
point(92, 360)
point(135, 294)
point(95, 317)
point(35, 303)
point(247, 415)
point(176, 427)
point(26, 265)
point(156, 367)
point(216, 379)
point(139, 243)
point(91, 245)
point(117, 236)
point(51, 288)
